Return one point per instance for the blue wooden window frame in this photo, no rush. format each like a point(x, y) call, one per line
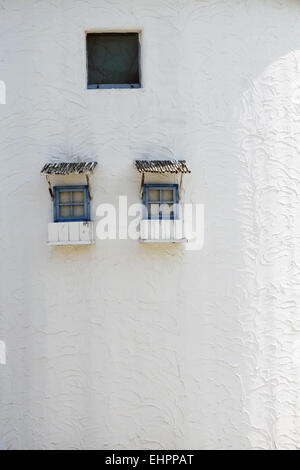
point(57, 204)
point(175, 201)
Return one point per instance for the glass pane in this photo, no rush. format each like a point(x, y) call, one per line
point(77, 196)
point(167, 194)
point(113, 58)
point(154, 209)
point(64, 196)
point(166, 210)
point(78, 211)
point(153, 194)
point(64, 211)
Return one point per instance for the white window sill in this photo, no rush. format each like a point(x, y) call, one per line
point(181, 240)
point(162, 231)
point(70, 243)
point(70, 233)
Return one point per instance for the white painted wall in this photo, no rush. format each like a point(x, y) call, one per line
point(129, 346)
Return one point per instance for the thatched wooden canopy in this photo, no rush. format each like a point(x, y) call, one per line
point(68, 168)
point(161, 167)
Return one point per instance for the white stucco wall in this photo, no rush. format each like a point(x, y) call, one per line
point(127, 346)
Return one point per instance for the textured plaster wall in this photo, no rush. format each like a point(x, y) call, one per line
point(128, 346)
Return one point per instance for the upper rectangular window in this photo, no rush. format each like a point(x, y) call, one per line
point(113, 60)
point(71, 203)
point(161, 201)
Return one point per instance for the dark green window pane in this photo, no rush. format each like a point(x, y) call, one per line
point(113, 58)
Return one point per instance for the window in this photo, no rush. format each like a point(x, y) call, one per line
point(161, 201)
point(71, 203)
point(113, 60)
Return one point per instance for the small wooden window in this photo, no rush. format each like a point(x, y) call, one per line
point(113, 60)
point(161, 201)
point(71, 203)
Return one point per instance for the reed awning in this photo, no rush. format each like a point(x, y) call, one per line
point(162, 166)
point(68, 168)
